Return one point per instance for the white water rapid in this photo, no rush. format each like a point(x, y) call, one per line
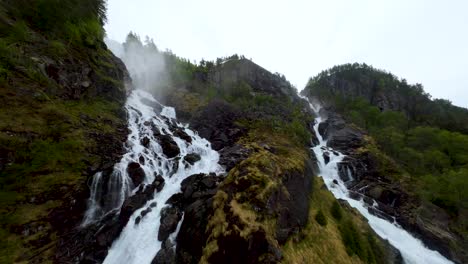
point(412, 250)
point(138, 243)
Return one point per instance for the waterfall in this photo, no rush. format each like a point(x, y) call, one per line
point(158, 148)
point(412, 250)
point(138, 242)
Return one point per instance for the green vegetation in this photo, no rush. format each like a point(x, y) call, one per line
point(365, 83)
point(49, 134)
point(427, 140)
point(321, 219)
point(344, 239)
point(336, 211)
point(76, 21)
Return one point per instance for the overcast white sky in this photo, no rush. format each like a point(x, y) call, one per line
point(424, 41)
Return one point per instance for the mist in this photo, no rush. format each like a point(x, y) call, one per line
point(145, 63)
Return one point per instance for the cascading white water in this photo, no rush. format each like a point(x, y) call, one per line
point(138, 243)
point(412, 249)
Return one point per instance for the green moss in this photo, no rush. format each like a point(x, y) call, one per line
point(57, 49)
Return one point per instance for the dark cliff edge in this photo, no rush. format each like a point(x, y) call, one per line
point(378, 172)
point(62, 119)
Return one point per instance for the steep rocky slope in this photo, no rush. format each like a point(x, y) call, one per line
point(363, 105)
point(61, 120)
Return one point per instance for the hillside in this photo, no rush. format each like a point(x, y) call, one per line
point(61, 120)
point(417, 145)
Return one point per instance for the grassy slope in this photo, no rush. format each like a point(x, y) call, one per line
point(345, 238)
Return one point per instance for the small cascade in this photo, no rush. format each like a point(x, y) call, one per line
point(413, 250)
point(350, 174)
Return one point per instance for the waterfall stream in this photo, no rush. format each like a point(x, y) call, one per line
point(412, 250)
point(138, 242)
point(158, 148)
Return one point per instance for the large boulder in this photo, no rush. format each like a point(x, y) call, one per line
point(192, 158)
point(292, 209)
point(166, 255)
point(136, 173)
point(170, 217)
point(232, 155)
point(169, 146)
point(340, 135)
point(179, 132)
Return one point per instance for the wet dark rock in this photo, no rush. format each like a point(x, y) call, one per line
point(196, 203)
point(165, 256)
point(135, 202)
point(145, 142)
point(141, 159)
point(217, 124)
point(145, 212)
point(176, 200)
point(210, 182)
point(137, 220)
point(245, 250)
point(169, 146)
point(380, 214)
point(192, 158)
point(175, 166)
point(153, 204)
point(159, 182)
point(136, 173)
point(355, 195)
point(431, 224)
point(293, 210)
point(335, 182)
point(339, 135)
point(326, 157)
point(199, 185)
point(170, 217)
point(179, 132)
point(369, 201)
point(192, 231)
point(231, 156)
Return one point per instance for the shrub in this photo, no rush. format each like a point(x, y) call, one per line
point(19, 33)
point(57, 48)
point(320, 218)
point(336, 210)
